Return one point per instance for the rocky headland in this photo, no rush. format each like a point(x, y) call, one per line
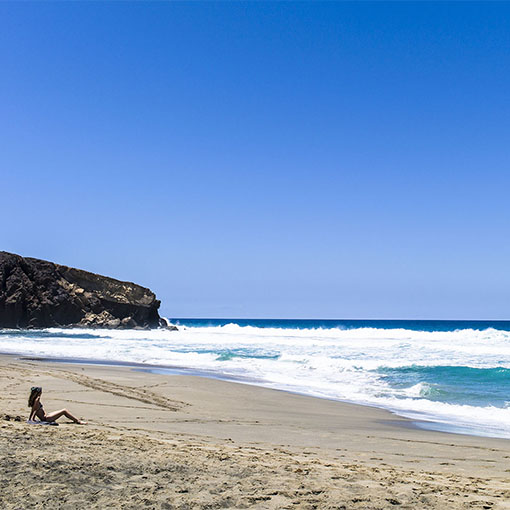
point(39, 294)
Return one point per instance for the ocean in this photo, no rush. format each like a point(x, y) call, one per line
point(445, 375)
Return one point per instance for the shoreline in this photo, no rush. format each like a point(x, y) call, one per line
point(438, 379)
point(169, 370)
point(186, 440)
point(385, 416)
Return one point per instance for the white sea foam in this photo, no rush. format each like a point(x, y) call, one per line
point(332, 363)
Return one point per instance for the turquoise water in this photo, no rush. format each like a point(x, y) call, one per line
point(478, 387)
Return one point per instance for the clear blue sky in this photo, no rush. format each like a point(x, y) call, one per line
point(332, 160)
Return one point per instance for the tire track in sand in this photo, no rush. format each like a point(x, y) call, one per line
point(129, 392)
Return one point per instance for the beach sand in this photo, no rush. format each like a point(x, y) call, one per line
point(187, 442)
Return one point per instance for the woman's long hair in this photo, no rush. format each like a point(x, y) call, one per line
point(34, 392)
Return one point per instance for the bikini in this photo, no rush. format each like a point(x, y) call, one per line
point(40, 411)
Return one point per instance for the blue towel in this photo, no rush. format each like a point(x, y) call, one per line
point(32, 422)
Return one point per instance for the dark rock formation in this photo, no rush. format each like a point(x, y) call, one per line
point(39, 294)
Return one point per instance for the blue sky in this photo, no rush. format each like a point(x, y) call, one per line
point(329, 160)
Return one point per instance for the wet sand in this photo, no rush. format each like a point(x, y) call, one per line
point(186, 442)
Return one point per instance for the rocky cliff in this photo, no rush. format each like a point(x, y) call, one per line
point(39, 294)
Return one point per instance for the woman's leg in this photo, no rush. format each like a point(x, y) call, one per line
point(63, 412)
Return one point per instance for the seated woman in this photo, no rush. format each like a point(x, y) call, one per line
point(34, 401)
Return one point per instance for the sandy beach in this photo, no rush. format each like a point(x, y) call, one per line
point(173, 441)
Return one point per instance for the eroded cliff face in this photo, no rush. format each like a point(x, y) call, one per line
point(39, 294)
